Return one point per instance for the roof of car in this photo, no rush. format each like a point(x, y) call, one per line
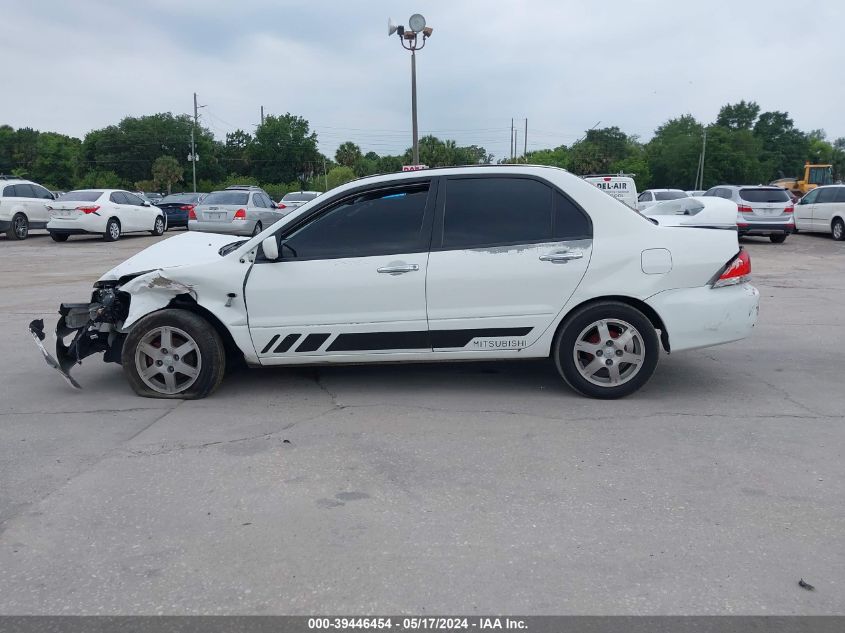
point(661, 190)
point(746, 187)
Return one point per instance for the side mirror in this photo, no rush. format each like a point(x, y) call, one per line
point(270, 247)
point(146, 203)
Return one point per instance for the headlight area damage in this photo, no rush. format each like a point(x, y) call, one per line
point(84, 329)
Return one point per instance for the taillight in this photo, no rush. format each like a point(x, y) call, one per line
point(789, 209)
point(240, 214)
point(89, 209)
point(736, 271)
point(186, 207)
point(744, 208)
point(281, 206)
point(192, 215)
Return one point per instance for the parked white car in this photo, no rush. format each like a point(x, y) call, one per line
point(23, 206)
point(469, 263)
point(106, 212)
point(822, 210)
point(295, 199)
point(650, 197)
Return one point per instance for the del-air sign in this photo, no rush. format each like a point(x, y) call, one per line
point(414, 167)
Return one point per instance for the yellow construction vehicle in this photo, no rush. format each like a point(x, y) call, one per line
point(814, 176)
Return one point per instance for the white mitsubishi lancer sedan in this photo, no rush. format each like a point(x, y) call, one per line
point(469, 263)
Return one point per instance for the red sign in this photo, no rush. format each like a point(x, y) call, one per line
point(414, 167)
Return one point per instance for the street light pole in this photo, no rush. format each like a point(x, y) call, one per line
point(416, 144)
point(410, 42)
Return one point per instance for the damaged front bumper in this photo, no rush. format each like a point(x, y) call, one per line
point(91, 327)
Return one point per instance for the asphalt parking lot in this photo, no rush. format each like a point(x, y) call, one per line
point(429, 489)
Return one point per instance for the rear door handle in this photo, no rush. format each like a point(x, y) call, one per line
point(561, 257)
point(399, 269)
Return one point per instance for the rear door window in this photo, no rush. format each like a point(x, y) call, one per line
point(483, 212)
point(117, 197)
point(840, 194)
point(24, 191)
point(828, 194)
point(41, 193)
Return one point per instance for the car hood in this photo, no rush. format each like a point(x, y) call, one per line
point(179, 250)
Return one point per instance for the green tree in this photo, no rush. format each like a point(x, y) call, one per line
point(56, 160)
point(738, 116)
point(339, 175)
point(785, 148)
point(673, 153)
point(557, 157)
point(598, 150)
point(100, 179)
point(234, 153)
point(166, 172)
point(348, 154)
point(284, 149)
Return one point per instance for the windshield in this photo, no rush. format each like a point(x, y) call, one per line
point(764, 195)
point(821, 176)
point(669, 195)
point(299, 196)
point(180, 198)
point(79, 196)
point(226, 197)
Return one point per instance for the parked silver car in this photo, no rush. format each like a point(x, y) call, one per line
point(761, 210)
point(237, 210)
point(296, 199)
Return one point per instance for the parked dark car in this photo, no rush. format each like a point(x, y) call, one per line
point(177, 206)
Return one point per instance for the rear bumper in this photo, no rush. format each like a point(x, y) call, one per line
point(766, 228)
point(703, 317)
point(226, 228)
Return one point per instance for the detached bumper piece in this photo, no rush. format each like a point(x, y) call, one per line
point(92, 326)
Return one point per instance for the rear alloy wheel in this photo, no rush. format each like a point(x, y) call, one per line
point(837, 230)
point(112, 230)
point(158, 227)
point(19, 228)
point(606, 350)
point(778, 238)
point(258, 228)
point(59, 237)
point(173, 354)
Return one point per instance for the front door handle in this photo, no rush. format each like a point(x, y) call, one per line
point(398, 269)
point(561, 257)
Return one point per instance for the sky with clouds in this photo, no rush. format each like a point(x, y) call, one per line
point(73, 66)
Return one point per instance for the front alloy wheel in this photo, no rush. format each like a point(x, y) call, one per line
point(173, 354)
point(606, 350)
point(158, 227)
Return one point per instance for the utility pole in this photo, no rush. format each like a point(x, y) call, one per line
point(325, 175)
point(262, 115)
point(699, 175)
point(515, 146)
point(193, 144)
point(512, 151)
point(525, 141)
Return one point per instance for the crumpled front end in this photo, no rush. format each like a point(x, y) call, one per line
point(84, 329)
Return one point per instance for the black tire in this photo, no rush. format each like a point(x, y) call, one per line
point(837, 230)
point(779, 238)
point(159, 227)
point(18, 228)
point(258, 228)
point(212, 353)
point(563, 349)
point(112, 234)
point(59, 237)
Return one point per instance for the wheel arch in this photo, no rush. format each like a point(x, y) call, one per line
point(650, 313)
point(187, 302)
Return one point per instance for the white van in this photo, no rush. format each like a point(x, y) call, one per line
point(620, 186)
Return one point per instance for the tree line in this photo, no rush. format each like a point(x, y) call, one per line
point(151, 153)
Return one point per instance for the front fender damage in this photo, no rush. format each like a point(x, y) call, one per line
point(101, 325)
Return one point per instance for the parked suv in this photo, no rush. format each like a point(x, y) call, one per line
point(23, 206)
point(236, 210)
point(822, 210)
point(761, 210)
